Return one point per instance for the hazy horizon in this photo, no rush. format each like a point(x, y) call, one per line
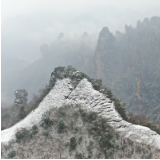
point(29, 24)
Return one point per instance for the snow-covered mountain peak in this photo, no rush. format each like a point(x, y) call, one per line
point(67, 91)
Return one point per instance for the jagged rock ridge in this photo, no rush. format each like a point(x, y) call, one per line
point(129, 64)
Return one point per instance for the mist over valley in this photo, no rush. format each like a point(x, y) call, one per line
point(54, 52)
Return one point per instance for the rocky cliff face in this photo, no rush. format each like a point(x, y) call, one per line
point(76, 121)
point(129, 64)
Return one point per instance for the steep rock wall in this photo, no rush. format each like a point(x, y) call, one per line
point(128, 63)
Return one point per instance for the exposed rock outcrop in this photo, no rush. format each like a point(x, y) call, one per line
point(21, 97)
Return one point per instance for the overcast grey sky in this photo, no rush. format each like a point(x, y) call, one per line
point(13, 7)
point(26, 24)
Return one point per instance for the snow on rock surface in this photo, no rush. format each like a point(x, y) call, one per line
point(90, 99)
point(106, 109)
